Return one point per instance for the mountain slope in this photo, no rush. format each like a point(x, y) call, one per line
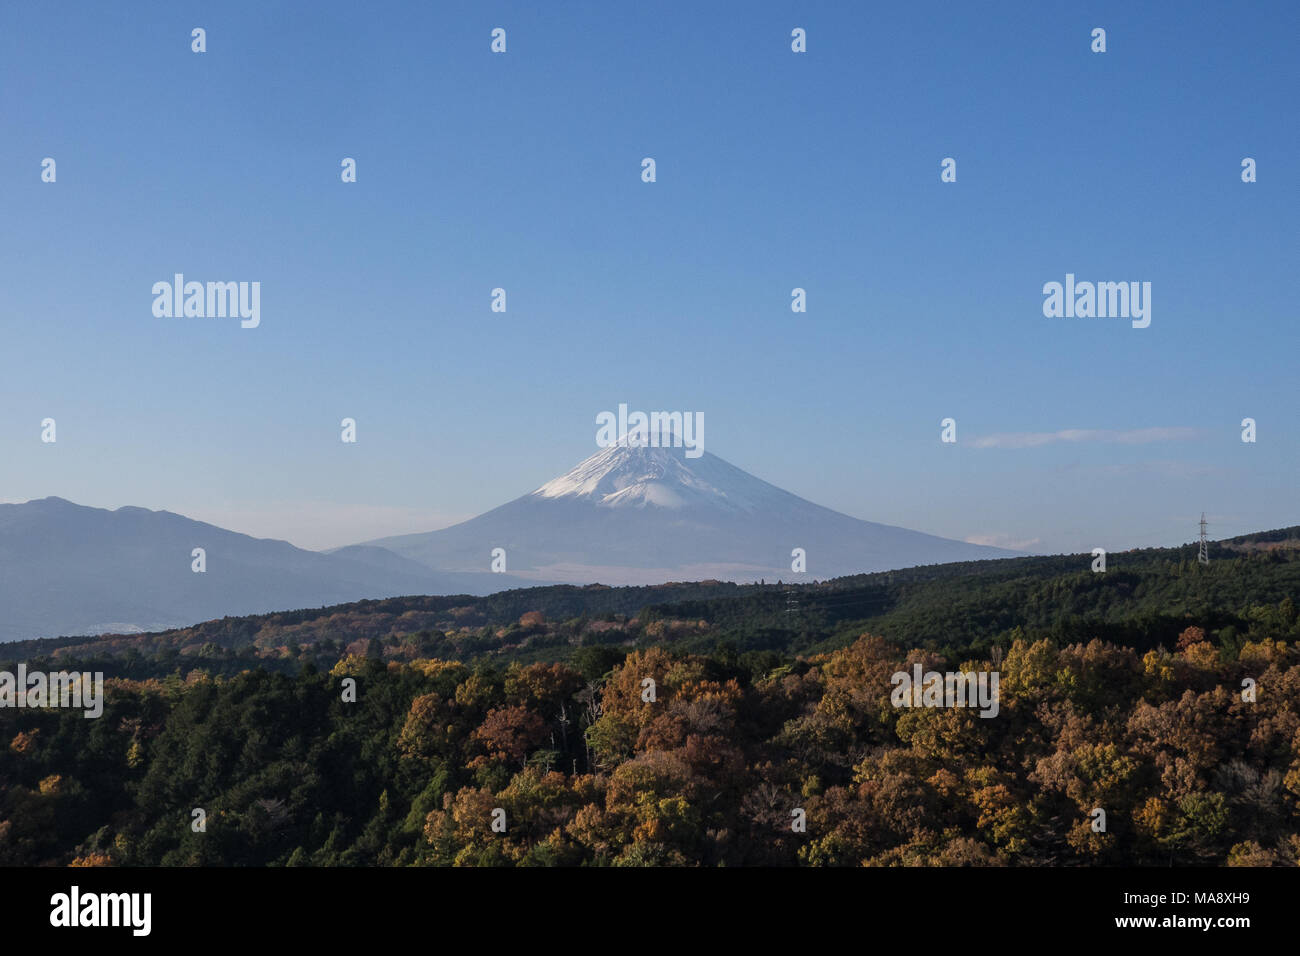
point(70, 569)
point(644, 515)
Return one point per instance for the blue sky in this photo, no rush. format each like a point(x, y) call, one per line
point(775, 170)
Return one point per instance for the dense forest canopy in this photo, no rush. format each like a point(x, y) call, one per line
point(516, 729)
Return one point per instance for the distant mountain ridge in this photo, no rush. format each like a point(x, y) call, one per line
point(1148, 597)
point(625, 516)
point(68, 569)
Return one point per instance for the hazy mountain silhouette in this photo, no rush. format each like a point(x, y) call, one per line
point(645, 515)
point(66, 569)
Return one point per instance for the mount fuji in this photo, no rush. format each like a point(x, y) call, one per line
point(628, 515)
point(633, 515)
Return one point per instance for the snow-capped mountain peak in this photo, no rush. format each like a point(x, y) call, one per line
point(638, 514)
point(624, 476)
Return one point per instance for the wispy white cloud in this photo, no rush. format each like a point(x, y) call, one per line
point(1135, 436)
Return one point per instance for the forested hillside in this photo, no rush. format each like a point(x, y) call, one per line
point(1145, 598)
point(1123, 692)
